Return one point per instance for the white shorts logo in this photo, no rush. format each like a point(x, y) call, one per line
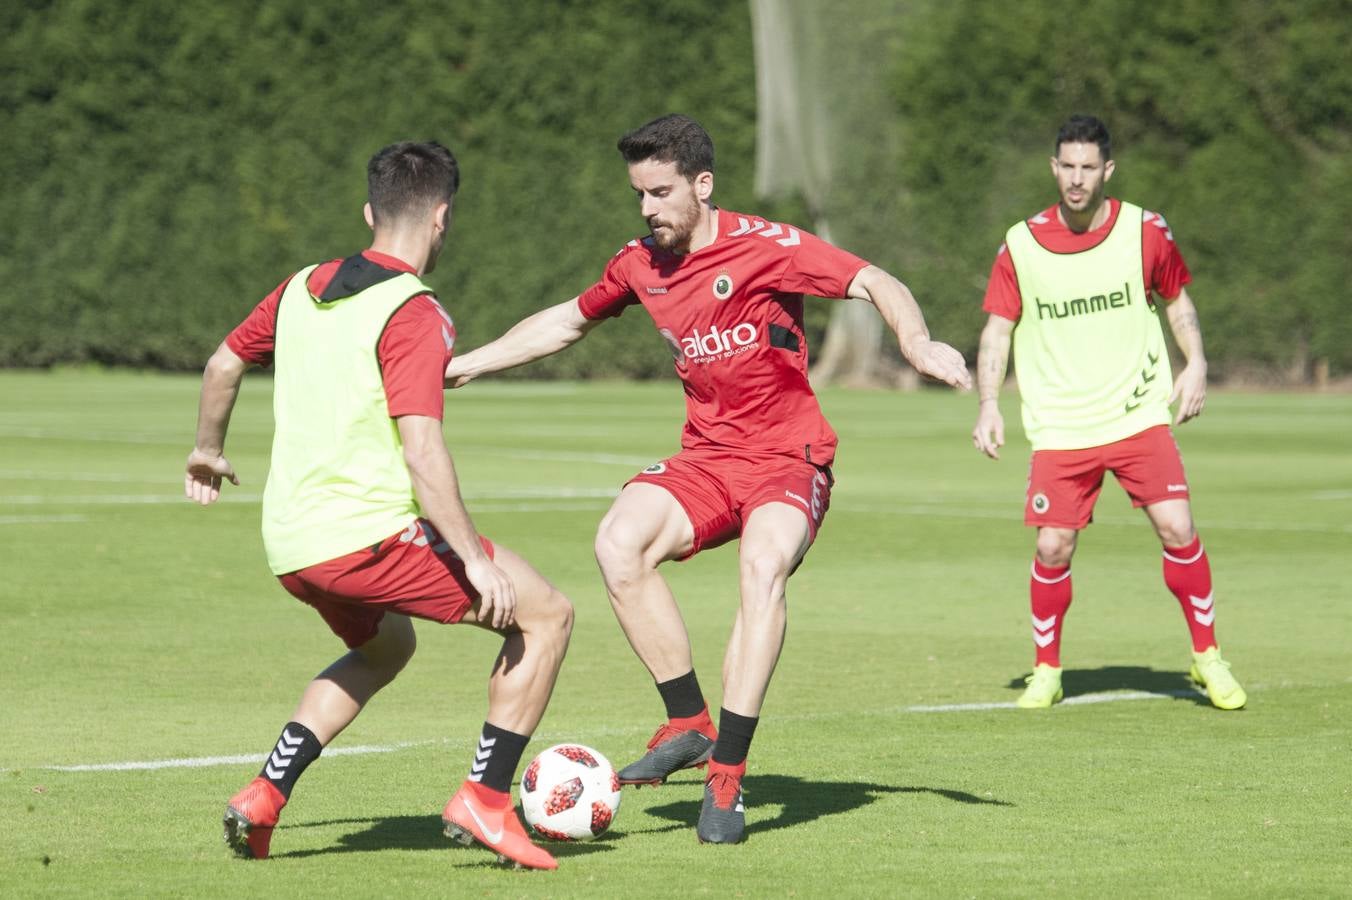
point(655, 469)
point(421, 534)
point(819, 486)
point(1040, 503)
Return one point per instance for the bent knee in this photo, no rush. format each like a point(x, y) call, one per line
point(563, 613)
point(390, 652)
point(1176, 534)
point(552, 616)
point(1055, 549)
point(618, 554)
point(763, 577)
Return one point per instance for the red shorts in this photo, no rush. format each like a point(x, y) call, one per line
point(1064, 485)
point(718, 490)
point(414, 572)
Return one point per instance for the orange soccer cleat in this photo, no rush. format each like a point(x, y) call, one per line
point(250, 817)
point(469, 817)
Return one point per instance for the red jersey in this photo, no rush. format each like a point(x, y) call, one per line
point(414, 349)
point(732, 313)
point(1164, 269)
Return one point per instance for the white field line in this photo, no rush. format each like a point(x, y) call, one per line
point(536, 507)
point(605, 459)
point(548, 738)
point(946, 512)
point(198, 762)
point(97, 437)
point(41, 519)
point(487, 502)
point(114, 499)
point(487, 497)
point(1081, 700)
point(111, 477)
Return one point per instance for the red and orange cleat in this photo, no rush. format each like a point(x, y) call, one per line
point(469, 817)
point(250, 817)
point(670, 750)
point(722, 817)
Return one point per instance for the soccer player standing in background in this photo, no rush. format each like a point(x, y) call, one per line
point(1073, 285)
point(362, 514)
point(726, 292)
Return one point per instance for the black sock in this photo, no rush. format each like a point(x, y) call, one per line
point(682, 696)
point(496, 758)
point(734, 737)
point(296, 748)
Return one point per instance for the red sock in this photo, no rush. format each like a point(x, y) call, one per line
point(718, 768)
point(1187, 573)
point(1049, 590)
point(701, 723)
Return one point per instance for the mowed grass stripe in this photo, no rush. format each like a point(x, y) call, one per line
point(239, 759)
point(152, 632)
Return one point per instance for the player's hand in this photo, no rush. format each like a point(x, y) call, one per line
point(940, 361)
point(202, 481)
point(455, 375)
point(497, 594)
point(989, 433)
point(1190, 392)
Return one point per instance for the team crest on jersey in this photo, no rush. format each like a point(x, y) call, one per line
point(655, 469)
point(1040, 503)
point(723, 285)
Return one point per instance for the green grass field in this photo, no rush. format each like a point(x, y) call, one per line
point(140, 628)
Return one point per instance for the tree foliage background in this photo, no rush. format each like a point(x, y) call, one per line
point(168, 163)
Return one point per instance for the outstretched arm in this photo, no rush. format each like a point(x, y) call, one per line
point(1190, 385)
point(899, 310)
point(438, 491)
point(992, 360)
point(207, 464)
point(536, 336)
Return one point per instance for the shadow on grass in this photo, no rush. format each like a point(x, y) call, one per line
point(419, 833)
point(804, 801)
point(1076, 682)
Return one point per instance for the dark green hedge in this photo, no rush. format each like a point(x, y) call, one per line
point(167, 163)
point(1233, 119)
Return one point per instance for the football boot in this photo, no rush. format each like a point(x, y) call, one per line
point(671, 749)
point(722, 817)
point(1044, 688)
point(1211, 672)
point(250, 817)
point(468, 819)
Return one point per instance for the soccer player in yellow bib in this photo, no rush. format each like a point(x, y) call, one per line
point(1072, 286)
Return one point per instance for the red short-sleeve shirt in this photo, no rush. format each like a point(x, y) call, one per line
point(732, 315)
point(414, 349)
point(1163, 267)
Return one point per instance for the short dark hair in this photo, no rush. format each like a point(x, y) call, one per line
point(674, 138)
point(410, 178)
point(1080, 129)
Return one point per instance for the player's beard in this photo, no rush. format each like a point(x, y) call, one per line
point(1090, 199)
point(676, 235)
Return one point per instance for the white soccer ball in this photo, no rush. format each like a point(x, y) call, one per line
point(569, 793)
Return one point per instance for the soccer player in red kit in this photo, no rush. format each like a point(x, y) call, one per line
point(1073, 286)
point(362, 514)
point(725, 290)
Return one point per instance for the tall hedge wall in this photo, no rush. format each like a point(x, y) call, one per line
point(168, 163)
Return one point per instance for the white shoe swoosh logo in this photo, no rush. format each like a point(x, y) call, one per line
point(493, 836)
